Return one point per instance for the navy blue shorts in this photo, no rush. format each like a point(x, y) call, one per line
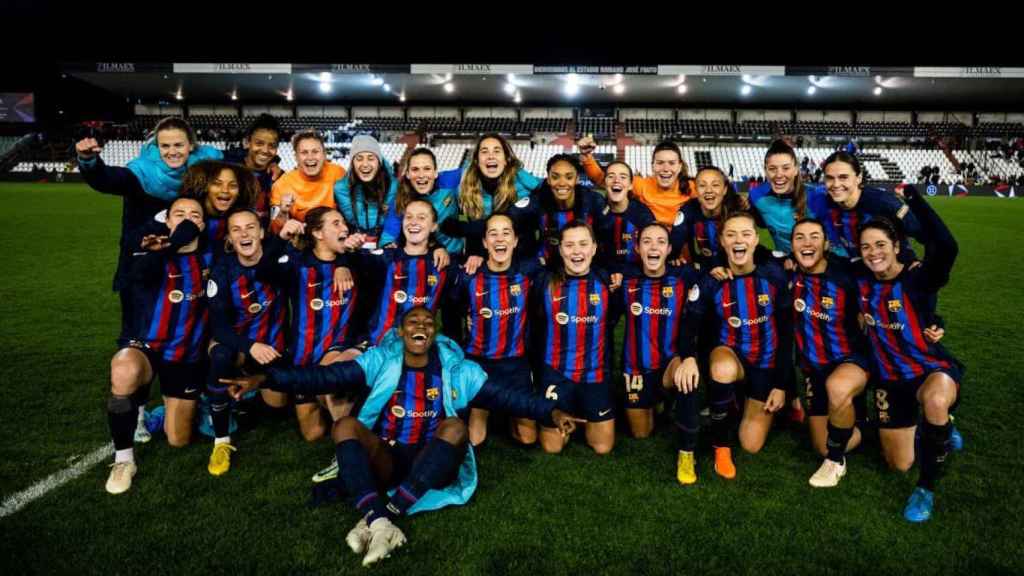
point(815, 378)
point(182, 380)
point(645, 390)
point(403, 458)
point(512, 373)
point(758, 382)
point(896, 401)
point(591, 401)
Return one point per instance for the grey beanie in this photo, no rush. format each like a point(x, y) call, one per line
point(364, 143)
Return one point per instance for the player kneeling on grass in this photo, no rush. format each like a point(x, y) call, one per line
point(753, 324)
point(248, 323)
point(166, 337)
point(653, 300)
point(897, 300)
point(408, 436)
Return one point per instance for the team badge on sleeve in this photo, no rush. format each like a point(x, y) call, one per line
point(694, 293)
point(211, 288)
point(161, 216)
point(523, 202)
point(680, 218)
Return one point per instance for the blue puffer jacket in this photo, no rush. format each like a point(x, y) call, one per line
point(362, 216)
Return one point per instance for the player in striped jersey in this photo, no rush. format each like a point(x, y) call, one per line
point(166, 337)
point(407, 275)
point(897, 301)
point(572, 317)
point(557, 202)
point(830, 347)
point(496, 303)
point(697, 223)
point(622, 218)
point(248, 315)
point(753, 322)
point(849, 204)
point(653, 300)
point(325, 326)
point(408, 439)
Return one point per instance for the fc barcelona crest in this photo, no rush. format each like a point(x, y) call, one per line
point(515, 290)
point(432, 394)
point(667, 292)
point(432, 280)
point(595, 299)
point(763, 299)
point(895, 306)
point(827, 303)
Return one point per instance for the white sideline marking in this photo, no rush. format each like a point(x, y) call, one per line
point(18, 501)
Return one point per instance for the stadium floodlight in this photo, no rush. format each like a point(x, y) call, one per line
point(234, 96)
point(746, 90)
point(510, 88)
point(387, 87)
point(518, 98)
point(811, 90)
point(449, 87)
point(681, 89)
point(377, 81)
point(288, 95)
point(401, 97)
point(325, 87)
point(878, 90)
point(619, 88)
point(325, 76)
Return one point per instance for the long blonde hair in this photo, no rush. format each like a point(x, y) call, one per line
point(471, 200)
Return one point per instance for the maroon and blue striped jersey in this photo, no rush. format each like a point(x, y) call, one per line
point(405, 282)
point(654, 310)
point(618, 233)
point(412, 414)
point(245, 307)
point(322, 316)
point(497, 308)
point(699, 232)
point(574, 317)
point(752, 313)
point(171, 314)
point(825, 316)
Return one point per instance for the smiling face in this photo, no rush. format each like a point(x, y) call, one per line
point(843, 183)
point(562, 179)
point(245, 234)
point(174, 147)
point(782, 171)
point(618, 183)
point(739, 238)
point(491, 158)
point(711, 190)
point(878, 251)
point(366, 165)
point(332, 233)
point(417, 331)
point(262, 147)
point(809, 246)
point(309, 153)
point(577, 248)
point(422, 173)
point(666, 166)
point(500, 240)
point(653, 249)
point(222, 192)
point(417, 223)
point(185, 209)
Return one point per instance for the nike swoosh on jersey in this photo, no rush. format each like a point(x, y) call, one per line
point(631, 290)
point(172, 276)
point(479, 294)
point(559, 299)
point(604, 412)
point(400, 277)
point(727, 304)
point(247, 294)
point(315, 284)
